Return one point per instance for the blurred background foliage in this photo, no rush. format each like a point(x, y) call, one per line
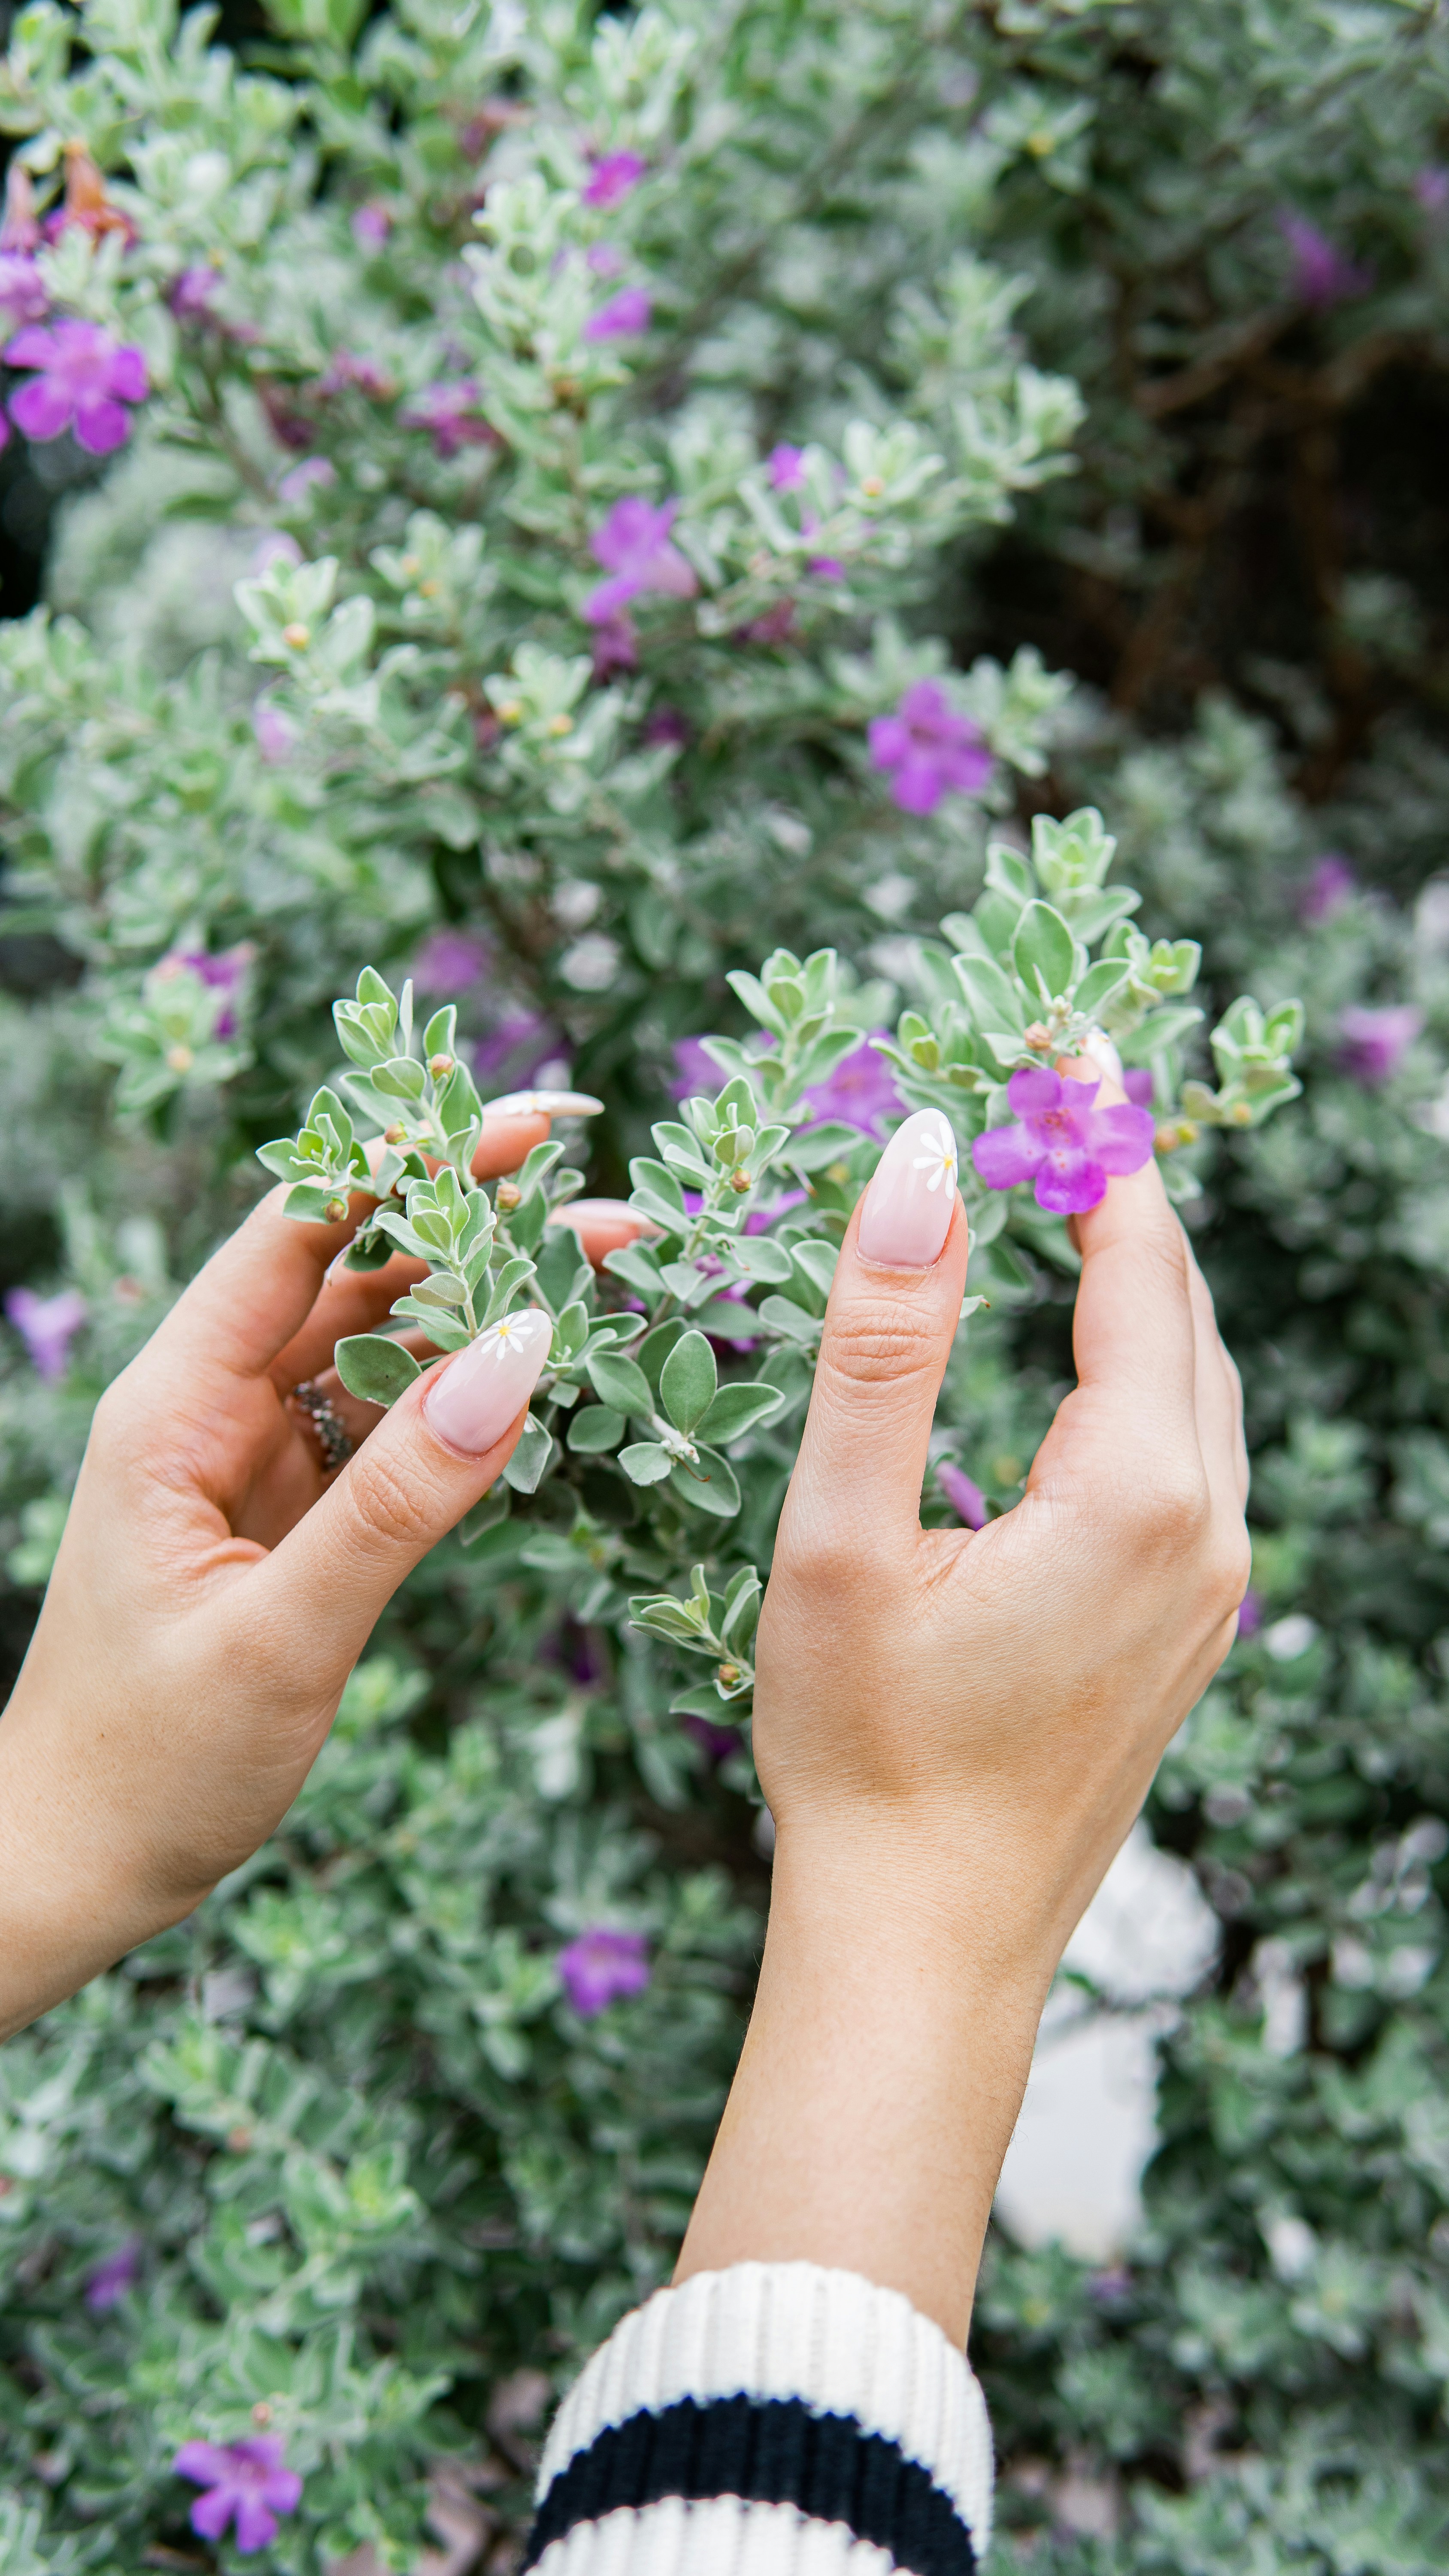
point(367, 2176)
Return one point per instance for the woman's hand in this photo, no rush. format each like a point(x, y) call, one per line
point(955, 1729)
point(216, 1585)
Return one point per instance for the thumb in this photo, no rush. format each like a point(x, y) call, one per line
point(445, 1441)
point(894, 1306)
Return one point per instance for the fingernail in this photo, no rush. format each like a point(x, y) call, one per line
point(486, 1387)
point(908, 1206)
point(543, 1104)
point(1103, 1053)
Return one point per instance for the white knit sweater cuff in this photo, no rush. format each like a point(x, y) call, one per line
point(771, 2420)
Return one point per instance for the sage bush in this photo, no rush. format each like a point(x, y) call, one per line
point(775, 563)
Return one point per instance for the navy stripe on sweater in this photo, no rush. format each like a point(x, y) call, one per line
point(766, 2451)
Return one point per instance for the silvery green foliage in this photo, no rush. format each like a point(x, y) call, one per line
point(362, 2140)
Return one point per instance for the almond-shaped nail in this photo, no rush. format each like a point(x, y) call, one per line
point(543, 1104)
point(909, 1204)
point(487, 1386)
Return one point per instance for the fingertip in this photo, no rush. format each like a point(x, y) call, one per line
point(507, 1141)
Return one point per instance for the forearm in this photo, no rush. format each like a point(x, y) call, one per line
point(880, 2078)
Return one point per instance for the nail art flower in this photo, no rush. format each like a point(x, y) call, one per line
point(84, 377)
point(939, 1159)
point(1062, 1141)
point(612, 178)
point(633, 544)
point(603, 1967)
point(928, 751)
point(246, 2482)
point(47, 1326)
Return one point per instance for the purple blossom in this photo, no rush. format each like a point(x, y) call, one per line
point(622, 318)
point(244, 2479)
point(23, 296)
point(1108, 2289)
point(786, 468)
point(313, 475)
point(825, 567)
point(190, 294)
point(274, 546)
point(667, 725)
point(862, 1089)
point(604, 259)
point(520, 1043)
point(1376, 1042)
point(613, 176)
point(223, 972)
point(1250, 1614)
point(1431, 188)
point(1331, 884)
point(602, 1966)
point(19, 229)
point(616, 646)
point(716, 1743)
point(345, 368)
point(966, 1499)
point(451, 961)
point(451, 411)
point(47, 1326)
point(107, 2285)
point(928, 750)
point(1323, 275)
point(1138, 1085)
point(1060, 1140)
point(371, 225)
point(276, 735)
point(633, 544)
point(84, 376)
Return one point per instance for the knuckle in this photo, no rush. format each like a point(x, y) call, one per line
point(869, 1346)
point(1171, 1510)
point(389, 1496)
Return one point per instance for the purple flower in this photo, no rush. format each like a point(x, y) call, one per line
point(966, 1499)
point(698, 1072)
point(1331, 884)
point(47, 1326)
point(522, 1043)
point(1431, 188)
point(1060, 1140)
point(786, 468)
point(1250, 1614)
point(85, 375)
point(223, 972)
point(245, 2479)
point(451, 411)
point(826, 568)
point(716, 1743)
point(928, 750)
point(633, 544)
point(1323, 275)
point(345, 368)
point(1376, 1042)
point(604, 259)
point(107, 2285)
point(313, 474)
point(371, 225)
point(862, 1089)
point(601, 1966)
point(612, 177)
point(190, 295)
point(622, 318)
point(20, 229)
point(451, 961)
point(616, 646)
point(276, 735)
point(1137, 1083)
point(666, 724)
point(23, 296)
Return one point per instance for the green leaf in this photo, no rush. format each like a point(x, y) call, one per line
point(620, 1382)
point(760, 1257)
point(1044, 948)
point(646, 1462)
point(990, 994)
point(688, 1380)
point(596, 1428)
point(710, 1486)
point(373, 1368)
point(1100, 983)
point(831, 1142)
point(737, 1409)
point(524, 1471)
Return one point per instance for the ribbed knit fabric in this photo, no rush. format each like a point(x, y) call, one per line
point(771, 2420)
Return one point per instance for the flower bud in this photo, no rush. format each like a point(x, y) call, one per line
point(261, 2413)
point(729, 1675)
point(440, 1066)
point(560, 724)
point(394, 1134)
point(740, 1182)
point(1040, 1037)
point(180, 1058)
point(297, 635)
point(511, 711)
point(507, 1197)
point(336, 1211)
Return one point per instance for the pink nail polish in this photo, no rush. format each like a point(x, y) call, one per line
point(487, 1386)
point(908, 1206)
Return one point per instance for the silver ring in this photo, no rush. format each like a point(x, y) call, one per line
point(333, 1437)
